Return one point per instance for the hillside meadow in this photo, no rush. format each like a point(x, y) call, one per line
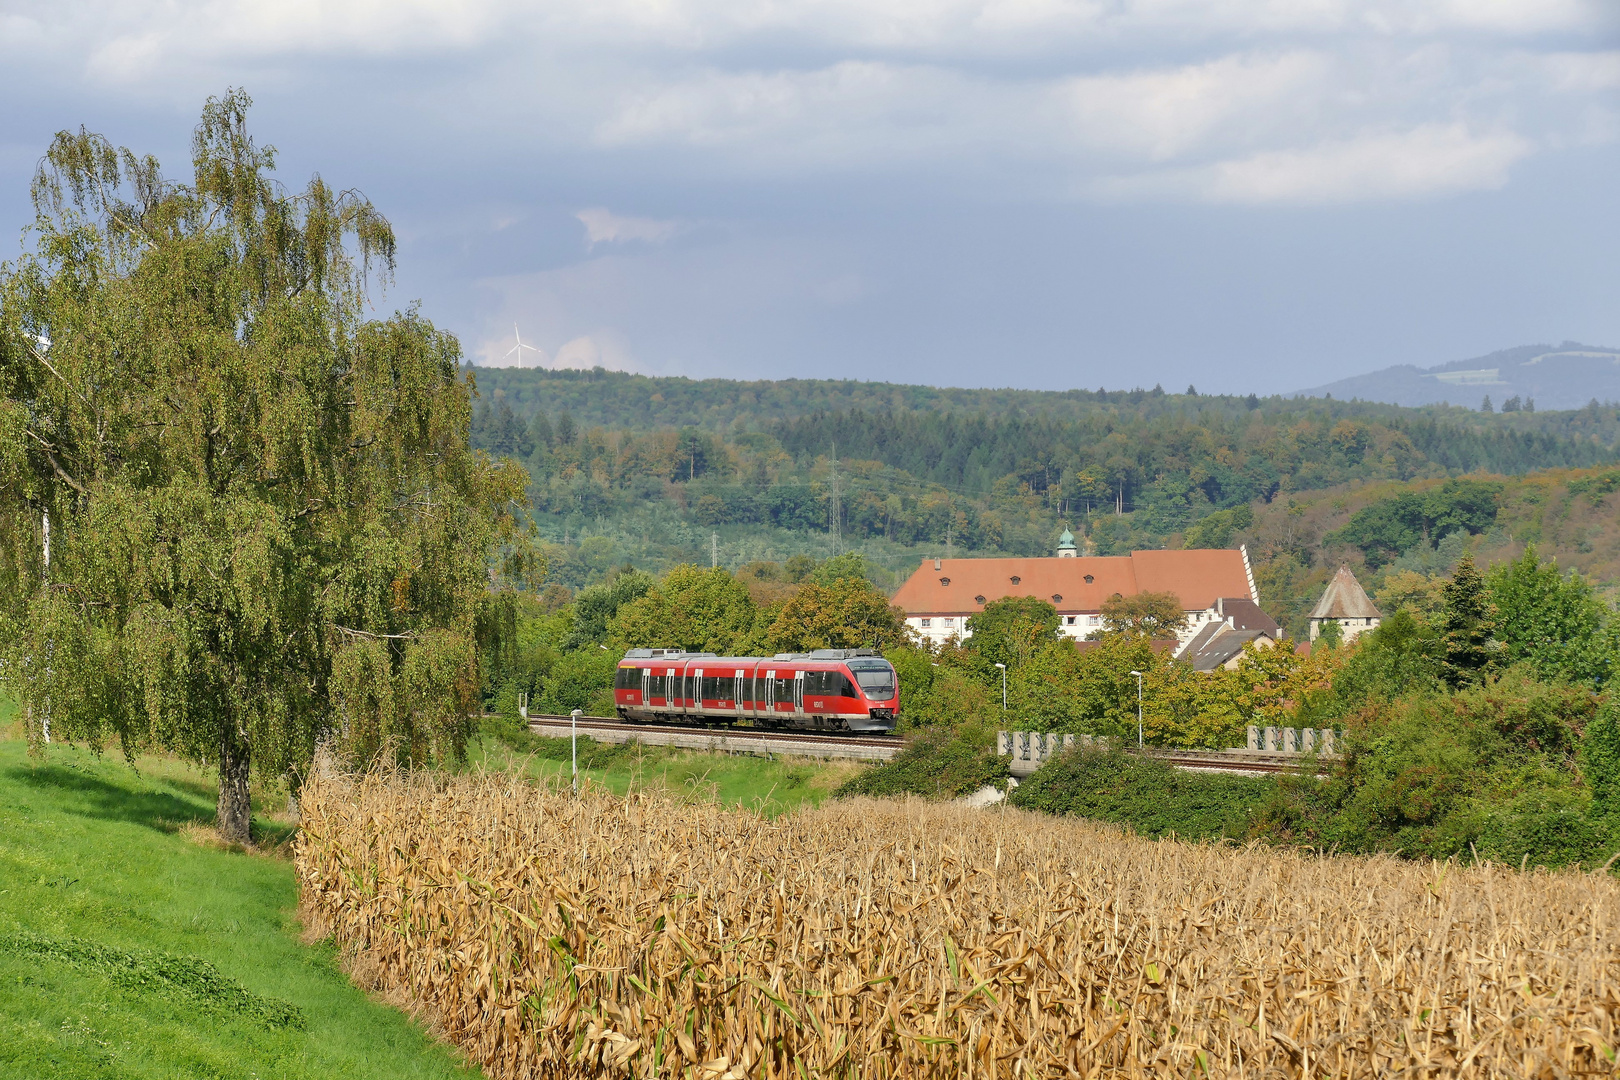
point(133, 945)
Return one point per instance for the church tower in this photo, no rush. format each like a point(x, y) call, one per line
point(1066, 548)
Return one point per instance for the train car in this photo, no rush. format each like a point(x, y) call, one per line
point(824, 690)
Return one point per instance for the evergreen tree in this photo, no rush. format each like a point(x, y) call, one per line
point(266, 524)
point(1468, 626)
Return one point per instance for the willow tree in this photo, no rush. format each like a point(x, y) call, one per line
point(265, 526)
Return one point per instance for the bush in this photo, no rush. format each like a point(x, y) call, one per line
point(1600, 758)
point(939, 763)
point(580, 680)
point(1153, 798)
point(1489, 770)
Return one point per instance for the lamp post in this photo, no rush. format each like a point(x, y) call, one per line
point(1138, 675)
point(1003, 668)
point(573, 738)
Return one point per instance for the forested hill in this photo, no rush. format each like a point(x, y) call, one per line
point(615, 399)
point(658, 471)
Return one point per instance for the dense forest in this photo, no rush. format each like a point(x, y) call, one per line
point(744, 472)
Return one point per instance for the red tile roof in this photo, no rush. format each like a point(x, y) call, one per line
point(1199, 578)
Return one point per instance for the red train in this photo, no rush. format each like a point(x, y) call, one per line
point(828, 689)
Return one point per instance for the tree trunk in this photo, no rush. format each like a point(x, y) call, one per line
point(234, 816)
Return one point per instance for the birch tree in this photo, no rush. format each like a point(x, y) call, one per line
point(266, 525)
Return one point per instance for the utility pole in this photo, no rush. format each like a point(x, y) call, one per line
point(573, 740)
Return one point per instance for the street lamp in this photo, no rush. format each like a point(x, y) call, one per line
point(573, 738)
point(1003, 668)
point(1138, 675)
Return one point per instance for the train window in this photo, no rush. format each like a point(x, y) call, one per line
point(658, 686)
point(627, 678)
point(717, 689)
point(782, 689)
point(813, 682)
point(875, 676)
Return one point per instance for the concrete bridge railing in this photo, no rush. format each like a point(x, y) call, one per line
point(1031, 749)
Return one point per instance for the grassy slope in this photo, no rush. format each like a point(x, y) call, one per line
point(772, 786)
point(92, 850)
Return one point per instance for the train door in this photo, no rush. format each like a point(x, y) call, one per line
point(646, 688)
point(737, 690)
point(798, 693)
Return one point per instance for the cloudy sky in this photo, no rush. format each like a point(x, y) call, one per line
point(1241, 194)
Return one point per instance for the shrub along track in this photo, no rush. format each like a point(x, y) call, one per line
point(645, 937)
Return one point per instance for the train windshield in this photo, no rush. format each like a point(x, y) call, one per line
point(875, 676)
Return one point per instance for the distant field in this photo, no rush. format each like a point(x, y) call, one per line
point(128, 949)
point(649, 937)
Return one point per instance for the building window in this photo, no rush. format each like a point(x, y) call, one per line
point(1057, 598)
point(927, 623)
point(944, 581)
point(978, 599)
point(1016, 579)
point(1089, 579)
point(1068, 620)
point(949, 622)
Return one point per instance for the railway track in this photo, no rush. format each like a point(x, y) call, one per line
point(723, 738)
point(840, 744)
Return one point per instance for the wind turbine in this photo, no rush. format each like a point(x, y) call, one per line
point(519, 347)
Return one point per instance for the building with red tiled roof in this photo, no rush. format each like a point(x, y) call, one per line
point(943, 594)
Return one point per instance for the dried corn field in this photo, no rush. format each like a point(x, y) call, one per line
point(642, 937)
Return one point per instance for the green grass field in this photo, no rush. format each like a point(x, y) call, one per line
point(128, 949)
point(769, 786)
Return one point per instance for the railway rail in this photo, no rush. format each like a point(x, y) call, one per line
point(828, 744)
point(832, 744)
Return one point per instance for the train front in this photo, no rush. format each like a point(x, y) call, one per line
point(880, 687)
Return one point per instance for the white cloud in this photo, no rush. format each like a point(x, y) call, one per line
point(605, 227)
point(1238, 100)
point(1428, 160)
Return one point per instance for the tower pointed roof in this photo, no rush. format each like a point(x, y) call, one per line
point(1344, 598)
point(1066, 541)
